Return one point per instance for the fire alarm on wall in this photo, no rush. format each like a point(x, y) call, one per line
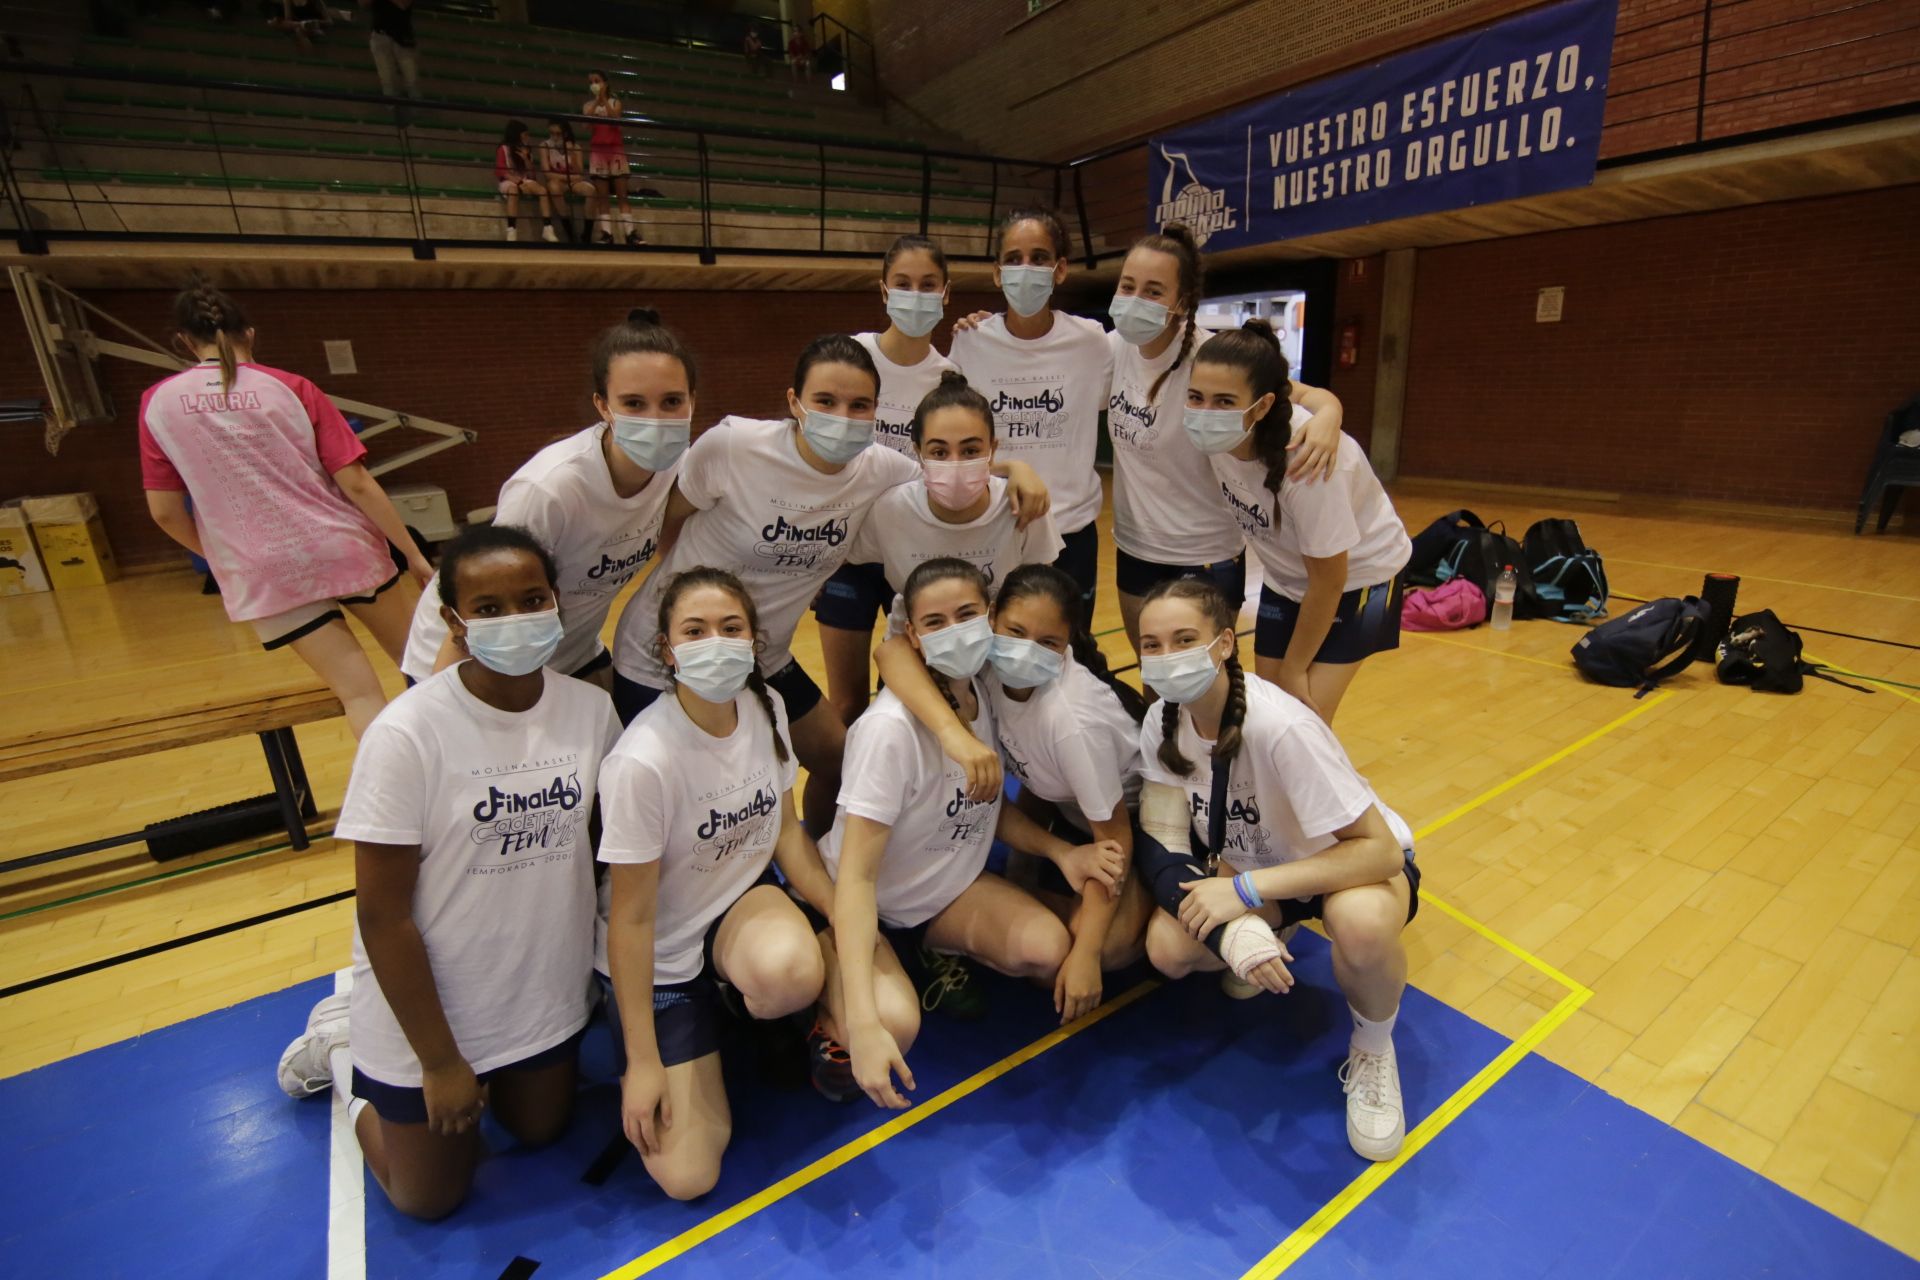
point(1548, 307)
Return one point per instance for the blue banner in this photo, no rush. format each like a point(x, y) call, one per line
point(1510, 110)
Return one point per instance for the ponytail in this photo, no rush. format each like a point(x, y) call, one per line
point(758, 684)
point(204, 314)
point(1254, 351)
point(1177, 242)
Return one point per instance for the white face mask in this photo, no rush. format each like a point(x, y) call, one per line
point(1137, 320)
point(1023, 664)
point(1180, 677)
point(1216, 430)
point(1028, 289)
point(836, 439)
point(716, 668)
point(916, 314)
point(959, 650)
point(515, 644)
point(652, 443)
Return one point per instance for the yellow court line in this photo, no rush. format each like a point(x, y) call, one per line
point(1512, 948)
point(1498, 653)
point(1760, 577)
point(695, 1236)
point(1898, 693)
point(1310, 1232)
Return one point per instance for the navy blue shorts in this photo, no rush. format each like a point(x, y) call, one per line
point(854, 598)
point(1293, 910)
point(796, 688)
point(404, 1104)
point(1136, 577)
point(1080, 560)
point(1367, 622)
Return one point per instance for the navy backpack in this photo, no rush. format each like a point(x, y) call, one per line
point(1644, 647)
point(1568, 576)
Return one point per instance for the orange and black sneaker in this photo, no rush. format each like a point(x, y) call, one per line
point(831, 1067)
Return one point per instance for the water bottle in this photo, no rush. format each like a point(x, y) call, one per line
point(1503, 593)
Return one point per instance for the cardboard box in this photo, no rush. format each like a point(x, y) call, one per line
point(20, 568)
point(73, 542)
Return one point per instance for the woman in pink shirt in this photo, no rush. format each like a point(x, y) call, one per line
point(289, 519)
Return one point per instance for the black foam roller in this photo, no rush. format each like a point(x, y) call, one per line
point(1720, 590)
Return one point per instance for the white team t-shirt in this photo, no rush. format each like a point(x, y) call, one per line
point(1348, 511)
point(766, 516)
point(497, 801)
point(896, 774)
point(564, 496)
point(902, 388)
point(901, 533)
point(1288, 790)
point(1047, 394)
point(1165, 508)
point(706, 809)
point(1071, 743)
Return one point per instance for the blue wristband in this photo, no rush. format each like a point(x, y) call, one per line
point(1243, 885)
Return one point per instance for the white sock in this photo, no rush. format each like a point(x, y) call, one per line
point(606, 223)
point(354, 1107)
point(626, 224)
point(340, 1061)
point(1370, 1036)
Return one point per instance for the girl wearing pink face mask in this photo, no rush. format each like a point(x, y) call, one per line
point(957, 508)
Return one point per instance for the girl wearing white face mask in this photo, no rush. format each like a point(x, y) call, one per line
point(913, 287)
point(1168, 521)
point(908, 850)
point(597, 497)
point(698, 804)
point(472, 946)
point(1330, 551)
point(778, 504)
point(1046, 374)
point(1298, 835)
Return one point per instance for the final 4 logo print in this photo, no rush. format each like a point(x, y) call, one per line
point(1204, 209)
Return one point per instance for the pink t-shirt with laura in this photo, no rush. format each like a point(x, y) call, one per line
point(258, 462)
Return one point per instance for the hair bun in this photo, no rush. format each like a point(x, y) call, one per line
point(643, 315)
point(1262, 326)
point(953, 378)
point(1179, 231)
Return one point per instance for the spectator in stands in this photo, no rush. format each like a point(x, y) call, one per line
point(565, 169)
point(800, 55)
point(755, 50)
point(607, 162)
point(513, 170)
point(303, 19)
point(395, 57)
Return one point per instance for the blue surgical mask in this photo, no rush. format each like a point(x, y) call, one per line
point(914, 313)
point(1137, 320)
point(652, 443)
point(515, 644)
point(1028, 289)
point(1180, 677)
point(716, 669)
point(1216, 430)
point(959, 650)
point(1023, 664)
point(836, 439)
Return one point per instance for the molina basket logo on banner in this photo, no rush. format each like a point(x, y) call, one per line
point(1507, 110)
point(1204, 209)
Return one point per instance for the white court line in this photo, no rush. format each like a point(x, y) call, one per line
point(346, 1186)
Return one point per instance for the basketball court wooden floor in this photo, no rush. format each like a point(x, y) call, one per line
point(1663, 1020)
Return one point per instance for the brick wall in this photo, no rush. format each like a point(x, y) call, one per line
point(510, 365)
point(1357, 299)
point(1746, 355)
point(1084, 73)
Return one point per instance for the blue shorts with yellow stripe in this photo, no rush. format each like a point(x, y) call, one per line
point(1367, 622)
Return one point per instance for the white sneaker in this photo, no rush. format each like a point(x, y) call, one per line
point(550, 235)
point(1376, 1121)
point(513, 233)
point(306, 1068)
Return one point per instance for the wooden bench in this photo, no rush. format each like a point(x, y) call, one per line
point(269, 714)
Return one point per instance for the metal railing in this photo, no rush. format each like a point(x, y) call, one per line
point(99, 154)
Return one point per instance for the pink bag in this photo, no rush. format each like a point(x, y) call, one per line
point(1451, 606)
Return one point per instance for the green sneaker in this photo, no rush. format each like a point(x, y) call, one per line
point(946, 985)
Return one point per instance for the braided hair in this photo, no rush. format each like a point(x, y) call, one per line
point(1176, 241)
point(204, 314)
point(692, 580)
point(1049, 582)
point(944, 569)
point(1254, 351)
point(1214, 607)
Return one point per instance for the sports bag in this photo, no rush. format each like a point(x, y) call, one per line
point(1644, 647)
point(1762, 653)
point(1432, 544)
point(1481, 554)
point(1568, 576)
point(1452, 606)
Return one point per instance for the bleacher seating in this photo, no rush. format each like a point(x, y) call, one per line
point(797, 168)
